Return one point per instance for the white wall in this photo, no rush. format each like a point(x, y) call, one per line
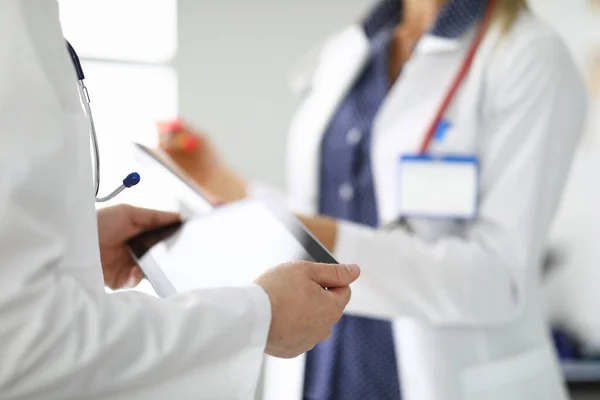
point(234, 59)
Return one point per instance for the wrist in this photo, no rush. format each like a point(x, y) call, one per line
point(264, 311)
point(272, 311)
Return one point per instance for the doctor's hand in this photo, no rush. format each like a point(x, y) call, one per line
point(116, 226)
point(193, 152)
point(303, 312)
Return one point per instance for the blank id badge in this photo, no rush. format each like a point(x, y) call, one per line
point(438, 186)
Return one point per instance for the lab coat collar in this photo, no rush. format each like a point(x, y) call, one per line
point(384, 15)
point(388, 13)
point(354, 43)
point(431, 44)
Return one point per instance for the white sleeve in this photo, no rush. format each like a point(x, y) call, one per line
point(61, 341)
point(261, 190)
point(61, 336)
point(534, 115)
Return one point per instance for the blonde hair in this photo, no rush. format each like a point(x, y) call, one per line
point(507, 12)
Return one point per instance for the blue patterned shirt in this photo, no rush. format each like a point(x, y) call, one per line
point(358, 361)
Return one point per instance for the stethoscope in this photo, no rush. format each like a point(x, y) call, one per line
point(130, 180)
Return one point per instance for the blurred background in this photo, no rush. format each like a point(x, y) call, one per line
point(227, 66)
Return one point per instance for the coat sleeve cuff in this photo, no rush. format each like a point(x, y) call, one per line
point(262, 323)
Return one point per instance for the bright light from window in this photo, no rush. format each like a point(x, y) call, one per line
point(133, 30)
point(127, 101)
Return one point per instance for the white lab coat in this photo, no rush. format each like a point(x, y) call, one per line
point(464, 298)
point(62, 337)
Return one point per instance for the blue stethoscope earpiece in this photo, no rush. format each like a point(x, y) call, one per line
point(130, 180)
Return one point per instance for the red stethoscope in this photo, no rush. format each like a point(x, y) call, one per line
point(460, 76)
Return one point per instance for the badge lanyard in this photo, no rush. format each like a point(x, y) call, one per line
point(479, 35)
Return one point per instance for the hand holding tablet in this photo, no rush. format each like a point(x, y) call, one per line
point(238, 242)
point(230, 246)
point(303, 312)
point(233, 244)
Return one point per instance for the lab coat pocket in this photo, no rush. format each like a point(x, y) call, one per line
point(525, 376)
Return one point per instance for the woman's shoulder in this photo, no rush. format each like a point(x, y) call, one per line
point(532, 54)
point(532, 39)
point(529, 51)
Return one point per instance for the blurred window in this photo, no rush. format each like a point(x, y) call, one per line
point(125, 47)
point(132, 30)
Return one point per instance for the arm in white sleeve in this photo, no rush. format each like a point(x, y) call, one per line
point(61, 336)
point(533, 117)
point(261, 190)
point(61, 341)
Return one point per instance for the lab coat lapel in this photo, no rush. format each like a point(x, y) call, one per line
point(341, 63)
point(418, 92)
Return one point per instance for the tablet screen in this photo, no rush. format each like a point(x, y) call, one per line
point(163, 176)
point(231, 246)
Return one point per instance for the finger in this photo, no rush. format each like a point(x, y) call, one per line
point(177, 135)
point(167, 127)
point(333, 275)
point(341, 295)
point(287, 353)
point(324, 334)
point(130, 283)
point(110, 282)
point(143, 219)
point(118, 279)
point(180, 142)
point(122, 275)
point(129, 279)
point(136, 276)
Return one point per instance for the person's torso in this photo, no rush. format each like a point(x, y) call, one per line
point(60, 191)
point(513, 361)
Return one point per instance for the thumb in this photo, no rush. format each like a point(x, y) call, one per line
point(334, 275)
point(143, 219)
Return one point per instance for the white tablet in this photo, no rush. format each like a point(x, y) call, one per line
point(164, 176)
point(231, 246)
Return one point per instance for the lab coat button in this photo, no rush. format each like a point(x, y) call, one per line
point(346, 192)
point(353, 137)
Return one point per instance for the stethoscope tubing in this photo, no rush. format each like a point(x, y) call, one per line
point(133, 178)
